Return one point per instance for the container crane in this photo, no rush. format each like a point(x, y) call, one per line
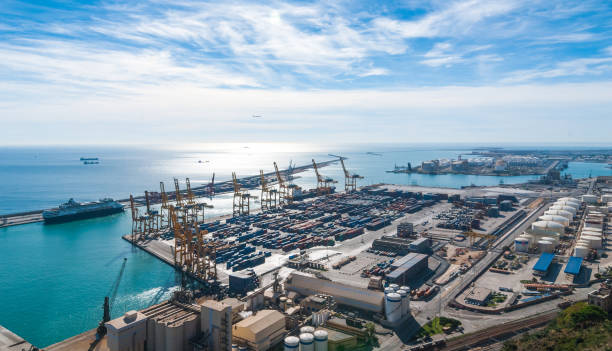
point(350, 180)
point(139, 223)
point(165, 208)
point(268, 195)
point(324, 184)
point(154, 216)
point(284, 192)
point(194, 210)
point(242, 200)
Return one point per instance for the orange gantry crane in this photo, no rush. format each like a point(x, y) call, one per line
point(268, 195)
point(242, 199)
point(194, 210)
point(350, 180)
point(164, 215)
point(324, 184)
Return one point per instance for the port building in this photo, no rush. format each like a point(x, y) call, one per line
point(364, 299)
point(260, 331)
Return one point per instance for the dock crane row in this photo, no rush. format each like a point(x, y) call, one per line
point(350, 180)
point(285, 190)
point(324, 184)
point(269, 196)
point(193, 253)
point(241, 204)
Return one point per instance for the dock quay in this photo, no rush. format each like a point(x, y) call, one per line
point(224, 187)
point(10, 341)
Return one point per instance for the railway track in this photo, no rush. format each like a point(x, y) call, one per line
point(470, 340)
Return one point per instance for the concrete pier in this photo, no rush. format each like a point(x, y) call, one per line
point(10, 341)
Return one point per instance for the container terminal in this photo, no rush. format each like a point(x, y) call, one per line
point(361, 268)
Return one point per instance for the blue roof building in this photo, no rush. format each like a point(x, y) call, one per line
point(573, 265)
point(541, 267)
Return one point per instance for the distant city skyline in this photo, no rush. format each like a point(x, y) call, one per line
point(148, 72)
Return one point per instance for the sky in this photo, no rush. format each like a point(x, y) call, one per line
point(179, 72)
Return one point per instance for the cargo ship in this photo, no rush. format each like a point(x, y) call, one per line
point(72, 210)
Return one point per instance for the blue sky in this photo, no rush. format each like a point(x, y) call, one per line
point(132, 72)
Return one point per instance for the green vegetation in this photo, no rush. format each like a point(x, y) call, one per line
point(437, 325)
point(496, 298)
point(579, 327)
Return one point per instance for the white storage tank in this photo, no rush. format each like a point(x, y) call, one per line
point(395, 287)
point(594, 241)
point(307, 330)
point(573, 204)
point(393, 307)
point(292, 343)
point(606, 198)
point(234, 347)
point(521, 245)
point(555, 218)
point(545, 227)
point(306, 342)
point(243, 348)
point(561, 213)
point(389, 290)
point(581, 251)
point(564, 208)
point(554, 240)
point(405, 301)
point(545, 246)
point(320, 340)
point(590, 233)
point(589, 199)
point(570, 199)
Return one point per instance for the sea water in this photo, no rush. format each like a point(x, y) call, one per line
point(53, 278)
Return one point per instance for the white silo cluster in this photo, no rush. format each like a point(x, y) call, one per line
point(545, 233)
point(397, 302)
point(589, 199)
point(309, 340)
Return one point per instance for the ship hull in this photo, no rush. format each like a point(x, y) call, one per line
point(82, 215)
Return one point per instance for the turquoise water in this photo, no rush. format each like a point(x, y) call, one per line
point(54, 278)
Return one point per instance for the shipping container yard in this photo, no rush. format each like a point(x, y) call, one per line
point(334, 261)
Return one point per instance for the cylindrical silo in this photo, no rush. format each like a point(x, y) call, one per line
point(307, 330)
point(561, 213)
point(555, 218)
point(581, 251)
point(395, 287)
point(292, 343)
point(545, 246)
point(405, 301)
point(570, 199)
point(521, 245)
point(243, 348)
point(320, 340)
point(234, 347)
point(564, 208)
point(306, 342)
point(393, 307)
point(545, 227)
point(573, 204)
point(389, 290)
point(594, 241)
point(589, 199)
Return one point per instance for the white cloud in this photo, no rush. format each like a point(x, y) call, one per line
point(577, 67)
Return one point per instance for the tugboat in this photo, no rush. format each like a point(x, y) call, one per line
point(73, 210)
